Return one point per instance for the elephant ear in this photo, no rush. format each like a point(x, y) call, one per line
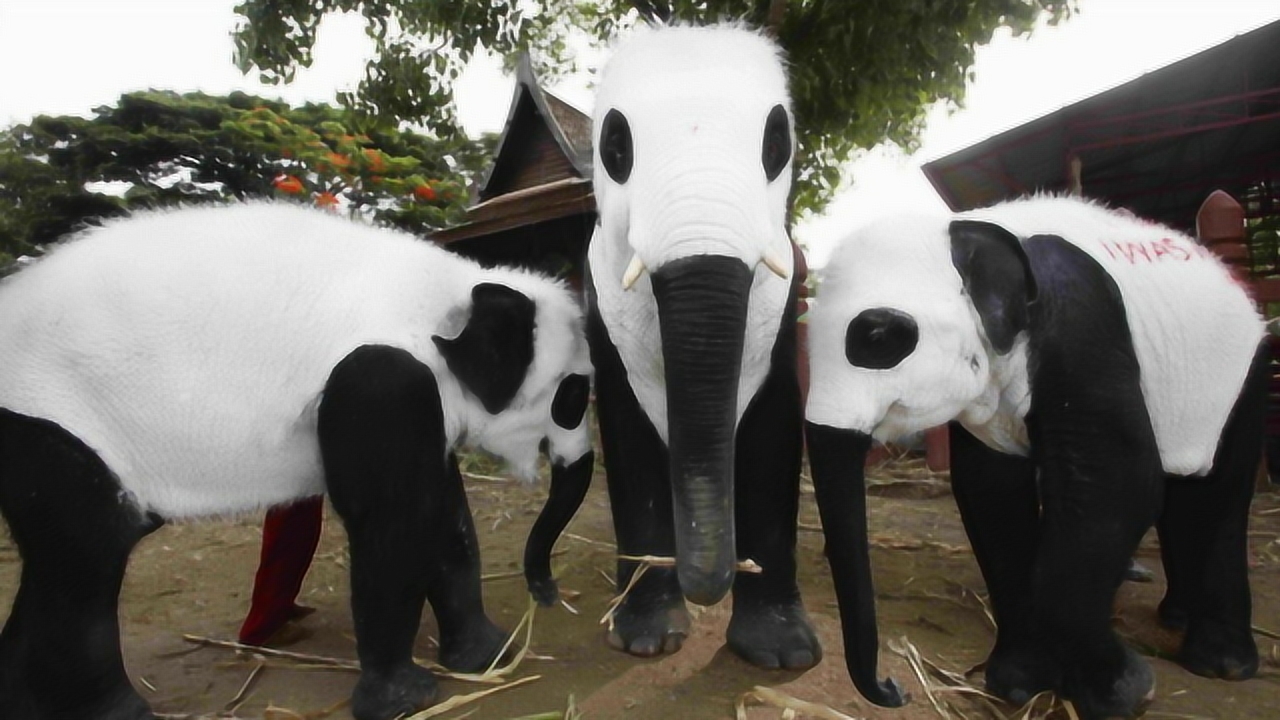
point(997, 275)
point(492, 354)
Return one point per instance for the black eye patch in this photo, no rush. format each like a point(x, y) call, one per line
point(615, 146)
point(570, 403)
point(880, 338)
point(776, 151)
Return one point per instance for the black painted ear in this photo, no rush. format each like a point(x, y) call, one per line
point(997, 276)
point(492, 354)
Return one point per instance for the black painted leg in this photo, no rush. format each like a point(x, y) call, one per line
point(653, 619)
point(769, 627)
point(1094, 514)
point(60, 649)
point(1000, 507)
point(382, 441)
point(469, 641)
point(1204, 543)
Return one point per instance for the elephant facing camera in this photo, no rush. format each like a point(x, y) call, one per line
point(1100, 375)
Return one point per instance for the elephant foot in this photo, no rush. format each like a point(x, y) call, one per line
point(386, 695)
point(1127, 696)
point(774, 636)
point(125, 704)
point(1019, 675)
point(1213, 650)
point(473, 649)
point(650, 629)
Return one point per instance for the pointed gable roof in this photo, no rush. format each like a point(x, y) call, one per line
point(544, 140)
point(541, 169)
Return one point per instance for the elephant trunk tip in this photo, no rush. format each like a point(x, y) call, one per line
point(705, 585)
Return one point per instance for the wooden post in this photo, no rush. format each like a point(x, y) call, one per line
point(1220, 227)
point(937, 448)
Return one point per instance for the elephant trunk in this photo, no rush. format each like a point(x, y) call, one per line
point(837, 459)
point(569, 485)
point(702, 315)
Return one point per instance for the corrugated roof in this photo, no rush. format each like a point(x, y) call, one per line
point(1156, 145)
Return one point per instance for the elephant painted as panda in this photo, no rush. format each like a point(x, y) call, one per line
point(691, 322)
point(1100, 374)
point(206, 362)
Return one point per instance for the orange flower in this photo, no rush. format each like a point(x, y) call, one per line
point(326, 200)
point(424, 192)
point(338, 161)
point(288, 184)
point(374, 159)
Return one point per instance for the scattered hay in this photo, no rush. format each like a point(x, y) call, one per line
point(314, 660)
point(646, 562)
point(493, 675)
point(243, 693)
point(952, 695)
point(791, 706)
point(598, 543)
point(487, 478)
point(458, 701)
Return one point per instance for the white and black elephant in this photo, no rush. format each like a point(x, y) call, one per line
point(691, 322)
point(206, 362)
point(1101, 374)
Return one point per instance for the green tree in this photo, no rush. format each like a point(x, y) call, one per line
point(862, 71)
point(156, 149)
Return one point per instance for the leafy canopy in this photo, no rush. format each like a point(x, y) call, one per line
point(158, 149)
point(862, 71)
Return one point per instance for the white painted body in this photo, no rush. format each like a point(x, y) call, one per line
point(1195, 331)
point(189, 348)
point(696, 100)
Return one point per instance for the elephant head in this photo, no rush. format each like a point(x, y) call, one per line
point(523, 358)
point(690, 261)
point(918, 321)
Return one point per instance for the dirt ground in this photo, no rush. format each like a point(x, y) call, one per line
point(195, 579)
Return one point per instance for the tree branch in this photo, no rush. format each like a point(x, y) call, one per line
point(653, 10)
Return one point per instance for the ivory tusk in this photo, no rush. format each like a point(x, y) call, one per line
point(774, 263)
point(634, 270)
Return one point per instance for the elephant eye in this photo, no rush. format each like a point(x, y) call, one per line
point(615, 146)
point(880, 338)
point(777, 143)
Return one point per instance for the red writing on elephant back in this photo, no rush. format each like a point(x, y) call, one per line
point(1155, 251)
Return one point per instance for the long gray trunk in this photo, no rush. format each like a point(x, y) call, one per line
point(702, 314)
point(837, 459)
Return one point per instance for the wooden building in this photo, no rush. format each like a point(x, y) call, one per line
point(535, 207)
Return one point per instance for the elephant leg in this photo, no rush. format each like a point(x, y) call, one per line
point(390, 479)
point(1000, 507)
point(1095, 510)
point(769, 627)
point(1204, 543)
point(60, 649)
point(469, 641)
point(653, 619)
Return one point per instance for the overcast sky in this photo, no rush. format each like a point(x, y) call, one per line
point(67, 56)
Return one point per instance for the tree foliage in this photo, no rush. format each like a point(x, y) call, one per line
point(157, 149)
point(862, 71)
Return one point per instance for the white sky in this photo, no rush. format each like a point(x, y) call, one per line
point(67, 56)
